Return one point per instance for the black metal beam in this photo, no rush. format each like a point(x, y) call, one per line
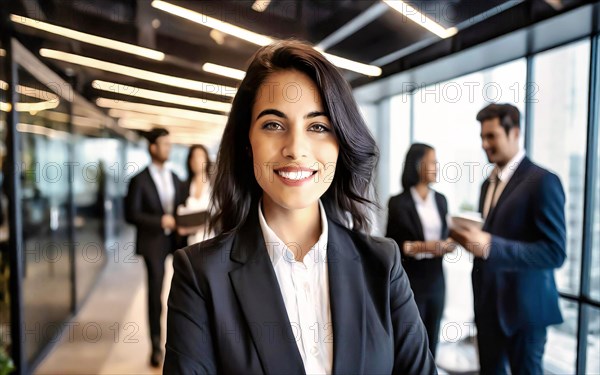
point(14, 199)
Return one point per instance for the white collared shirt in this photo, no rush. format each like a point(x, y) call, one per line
point(163, 180)
point(304, 286)
point(501, 176)
point(431, 222)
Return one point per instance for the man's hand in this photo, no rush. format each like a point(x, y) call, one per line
point(167, 222)
point(473, 239)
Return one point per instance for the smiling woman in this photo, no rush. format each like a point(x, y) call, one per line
point(292, 283)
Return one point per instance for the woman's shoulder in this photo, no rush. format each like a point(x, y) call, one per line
point(207, 253)
point(403, 197)
point(370, 247)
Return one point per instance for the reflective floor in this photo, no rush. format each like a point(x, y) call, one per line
point(109, 335)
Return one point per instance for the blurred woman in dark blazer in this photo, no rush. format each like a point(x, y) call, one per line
point(417, 222)
point(286, 287)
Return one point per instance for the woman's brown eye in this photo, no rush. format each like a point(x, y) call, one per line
point(271, 126)
point(320, 128)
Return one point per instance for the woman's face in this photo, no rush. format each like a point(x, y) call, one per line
point(198, 161)
point(429, 167)
point(294, 148)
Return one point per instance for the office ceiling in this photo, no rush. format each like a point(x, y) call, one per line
point(366, 31)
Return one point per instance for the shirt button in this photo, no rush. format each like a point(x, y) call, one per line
point(314, 351)
point(307, 288)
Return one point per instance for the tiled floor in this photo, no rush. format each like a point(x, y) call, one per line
point(109, 335)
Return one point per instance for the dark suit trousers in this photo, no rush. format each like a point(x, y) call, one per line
point(523, 351)
point(431, 307)
point(155, 267)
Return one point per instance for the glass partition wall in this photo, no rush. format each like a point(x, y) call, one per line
point(68, 169)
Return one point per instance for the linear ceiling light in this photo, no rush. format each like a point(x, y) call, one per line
point(366, 69)
point(162, 120)
point(255, 38)
point(36, 107)
point(145, 75)
point(134, 124)
point(89, 38)
point(159, 110)
point(419, 18)
point(42, 130)
point(3, 85)
point(161, 96)
point(178, 135)
point(224, 71)
point(213, 23)
point(5, 107)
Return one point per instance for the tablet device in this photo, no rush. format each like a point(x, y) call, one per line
point(467, 219)
point(192, 219)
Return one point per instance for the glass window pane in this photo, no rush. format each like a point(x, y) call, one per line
point(595, 266)
point(559, 139)
point(399, 138)
point(560, 356)
point(593, 341)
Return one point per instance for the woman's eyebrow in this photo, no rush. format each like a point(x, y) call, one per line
point(271, 111)
point(278, 113)
point(316, 114)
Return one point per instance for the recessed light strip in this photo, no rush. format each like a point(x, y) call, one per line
point(159, 110)
point(419, 18)
point(163, 120)
point(224, 71)
point(161, 96)
point(89, 38)
point(139, 73)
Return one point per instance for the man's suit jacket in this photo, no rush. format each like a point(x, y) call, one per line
point(144, 210)
point(426, 275)
point(528, 243)
point(227, 315)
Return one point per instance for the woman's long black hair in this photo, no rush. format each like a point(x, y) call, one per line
point(351, 193)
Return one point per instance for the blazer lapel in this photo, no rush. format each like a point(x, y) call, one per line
point(416, 220)
point(154, 190)
point(257, 290)
point(443, 211)
point(519, 175)
point(346, 293)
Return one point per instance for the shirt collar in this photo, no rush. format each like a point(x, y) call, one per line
point(417, 197)
point(156, 170)
point(277, 249)
point(505, 173)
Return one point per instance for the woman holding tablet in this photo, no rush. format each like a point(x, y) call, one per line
point(286, 287)
point(417, 222)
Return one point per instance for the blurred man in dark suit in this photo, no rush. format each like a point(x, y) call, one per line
point(150, 204)
point(521, 243)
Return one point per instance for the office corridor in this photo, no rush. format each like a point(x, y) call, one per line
point(109, 335)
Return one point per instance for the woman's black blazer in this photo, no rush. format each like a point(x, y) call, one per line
point(226, 313)
point(404, 224)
